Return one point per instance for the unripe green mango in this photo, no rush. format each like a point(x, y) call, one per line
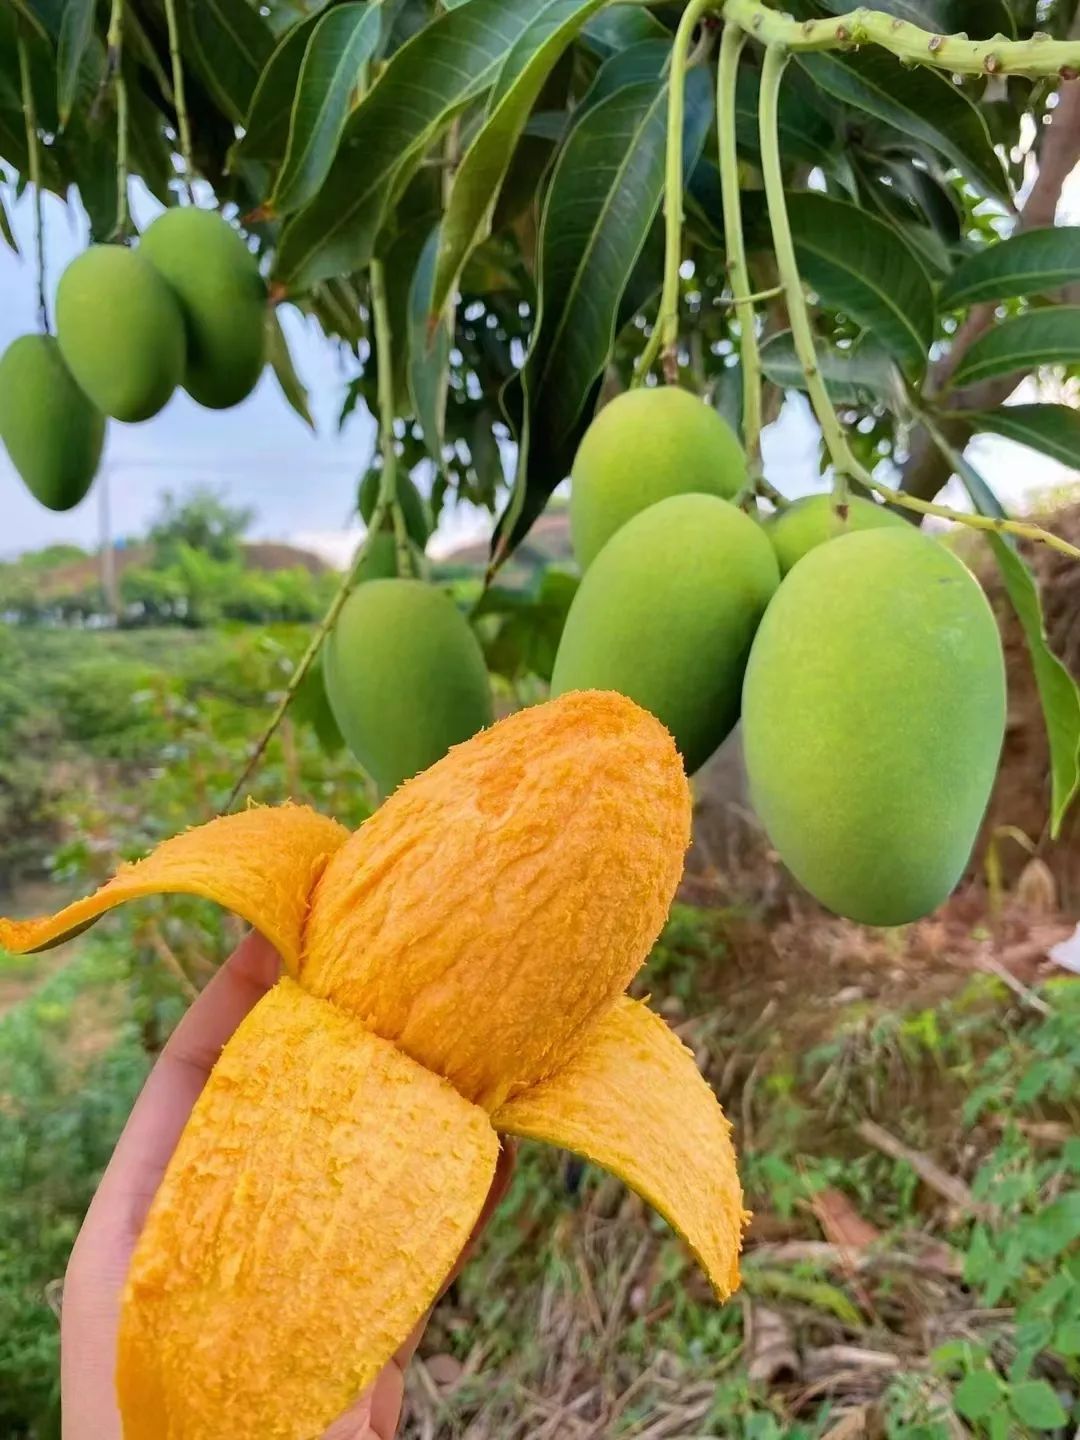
point(121, 331)
point(406, 678)
point(50, 429)
point(413, 505)
point(666, 614)
point(808, 523)
point(216, 280)
point(873, 719)
point(645, 446)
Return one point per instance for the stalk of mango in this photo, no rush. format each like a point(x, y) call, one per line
point(456, 971)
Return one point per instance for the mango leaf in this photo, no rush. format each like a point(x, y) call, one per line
point(644, 61)
point(620, 26)
point(604, 194)
point(529, 624)
point(1057, 689)
point(76, 28)
point(1052, 429)
point(1031, 263)
point(981, 19)
point(858, 264)
point(340, 46)
point(281, 362)
point(429, 351)
point(266, 125)
point(806, 130)
point(1039, 337)
point(424, 85)
point(862, 375)
point(5, 228)
point(921, 104)
point(230, 44)
point(484, 165)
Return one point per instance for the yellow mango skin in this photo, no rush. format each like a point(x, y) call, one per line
point(667, 614)
point(484, 958)
point(805, 524)
point(873, 719)
point(405, 677)
point(643, 447)
point(317, 1200)
point(216, 281)
point(121, 331)
point(51, 431)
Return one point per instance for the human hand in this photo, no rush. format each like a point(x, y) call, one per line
point(99, 1262)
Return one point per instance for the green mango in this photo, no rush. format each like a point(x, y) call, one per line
point(413, 505)
point(666, 615)
point(51, 431)
point(216, 281)
point(406, 678)
point(873, 719)
point(121, 331)
point(645, 446)
point(805, 524)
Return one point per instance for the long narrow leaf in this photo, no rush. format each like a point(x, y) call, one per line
point(76, 28)
point(1031, 263)
point(1053, 430)
point(1040, 337)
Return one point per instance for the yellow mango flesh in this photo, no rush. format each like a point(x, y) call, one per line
point(447, 925)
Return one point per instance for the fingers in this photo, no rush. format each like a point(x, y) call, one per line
point(102, 1253)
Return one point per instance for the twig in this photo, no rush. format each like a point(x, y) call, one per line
point(179, 101)
point(665, 334)
point(34, 166)
point(388, 490)
point(167, 956)
point(929, 1172)
point(115, 47)
point(730, 49)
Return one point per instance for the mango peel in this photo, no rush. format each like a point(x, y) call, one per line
point(456, 971)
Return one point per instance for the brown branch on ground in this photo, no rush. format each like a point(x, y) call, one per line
point(927, 471)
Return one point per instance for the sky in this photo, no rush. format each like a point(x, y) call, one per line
point(301, 485)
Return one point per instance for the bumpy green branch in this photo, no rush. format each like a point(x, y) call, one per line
point(735, 243)
point(179, 101)
point(34, 167)
point(1040, 55)
point(665, 333)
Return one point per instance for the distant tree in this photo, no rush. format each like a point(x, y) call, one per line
point(201, 520)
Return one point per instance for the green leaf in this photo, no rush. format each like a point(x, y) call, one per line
point(1035, 1404)
point(1066, 1339)
point(429, 352)
point(266, 125)
point(977, 1394)
point(76, 28)
point(620, 26)
point(1052, 429)
point(484, 165)
point(450, 62)
point(859, 376)
point(5, 228)
point(806, 129)
point(1022, 342)
point(644, 61)
point(920, 103)
point(340, 46)
point(603, 197)
point(1031, 263)
point(981, 19)
point(230, 43)
point(858, 264)
point(281, 362)
point(1058, 691)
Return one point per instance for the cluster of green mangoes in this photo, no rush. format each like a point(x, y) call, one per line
point(187, 307)
point(862, 656)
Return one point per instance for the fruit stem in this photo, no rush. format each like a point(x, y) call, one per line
point(955, 54)
point(115, 47)
point(179, 101)
point(34, 167)
point(772, 74)
point(384, 354)
point(770, 492)
point(665, 333)
point(731, 46)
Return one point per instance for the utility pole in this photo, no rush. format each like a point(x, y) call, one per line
point(106, 550)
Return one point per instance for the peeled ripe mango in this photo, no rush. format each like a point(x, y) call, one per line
point(456, 971)
point(121, 331)
point(805, 524)
point(645, 446)
point(406, 678)
point(216, 280)
point(414, 507)
point(873, 718)
point(51, 431)
point(666, 615)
